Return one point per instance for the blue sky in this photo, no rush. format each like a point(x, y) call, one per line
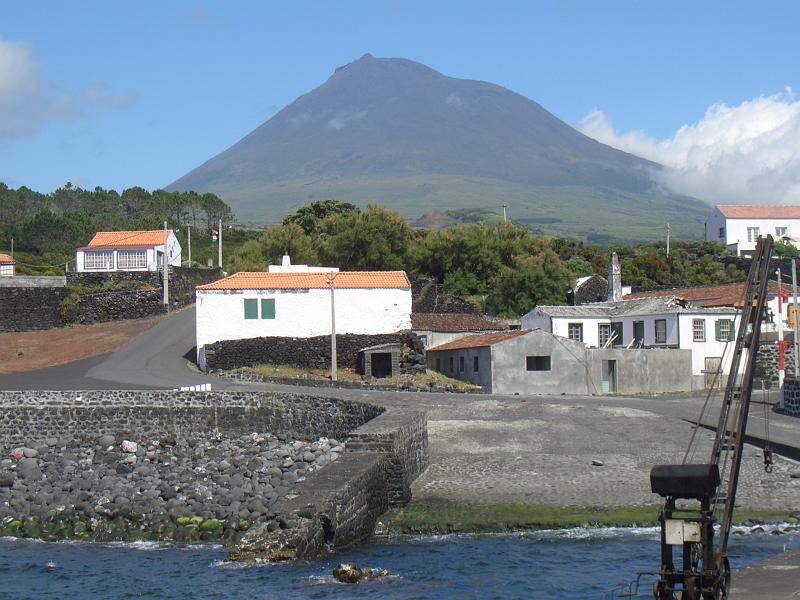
point(119, 94)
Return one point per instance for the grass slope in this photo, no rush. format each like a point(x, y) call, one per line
point(598, 215)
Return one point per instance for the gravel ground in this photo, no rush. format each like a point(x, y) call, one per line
point(540, 451)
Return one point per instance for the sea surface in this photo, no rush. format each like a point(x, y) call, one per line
point(574, 563)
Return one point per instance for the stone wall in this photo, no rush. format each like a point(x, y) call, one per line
point(26, 416)
point(113, 306)
point(22, 281)
point(311, 353)
point(341, 504)
point(427, 297)
point(791, 396)
point(30, 308)
point(766, 367)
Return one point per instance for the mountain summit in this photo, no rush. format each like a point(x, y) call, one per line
point(398, 133)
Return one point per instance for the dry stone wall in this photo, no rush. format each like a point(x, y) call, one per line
point(791, 397)
point(312, 353)
point(27, 416)
point(30, 308)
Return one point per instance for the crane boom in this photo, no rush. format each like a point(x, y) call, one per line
point(706, 569)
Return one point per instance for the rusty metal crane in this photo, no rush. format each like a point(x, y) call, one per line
point(705, 570)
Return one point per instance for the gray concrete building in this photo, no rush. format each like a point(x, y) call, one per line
point(538, 362)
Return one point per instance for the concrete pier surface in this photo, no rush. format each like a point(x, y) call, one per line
point(776, 578)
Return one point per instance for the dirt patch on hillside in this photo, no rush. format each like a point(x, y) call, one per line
point(31, 350)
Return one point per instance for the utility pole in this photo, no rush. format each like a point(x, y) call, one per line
point(166, 270)
point(667, 239)
point(12, 247)
point(189, 237)
point(504, 212)
point(333, 329)
point(796, 326)
point(781, 344)
point(219, 241)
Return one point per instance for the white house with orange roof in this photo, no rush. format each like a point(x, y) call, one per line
point(297, 303)
point(738, 226)
point(129, 251)
point(7, 265)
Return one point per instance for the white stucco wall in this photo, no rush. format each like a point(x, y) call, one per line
point(153, 264)
point(301, 313)
point(711, 348)
point(735, 230)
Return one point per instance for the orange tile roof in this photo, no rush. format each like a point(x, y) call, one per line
point(760, 211)
point(306, 281)
point(479, 341)
point(129, 239)
point(730, 294)
point(7, 260)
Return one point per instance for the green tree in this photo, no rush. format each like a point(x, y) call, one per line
point(374, 240)
point(532, 280)
point(269, 247)
point(310, 216)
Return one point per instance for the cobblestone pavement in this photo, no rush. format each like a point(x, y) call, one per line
point(540, 451)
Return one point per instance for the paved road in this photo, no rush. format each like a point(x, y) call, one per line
point(154, 360)
point(777, 578)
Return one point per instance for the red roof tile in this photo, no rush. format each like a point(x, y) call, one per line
point(760, 211)
point(453, 322)
point(129, 239)
point(479, 341)
point(7, 260)
point(300, 281)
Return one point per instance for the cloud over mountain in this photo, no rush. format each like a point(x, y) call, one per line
point(749, 152)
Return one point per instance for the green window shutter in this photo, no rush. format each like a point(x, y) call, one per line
point(267, 308)
point(250, 308)
point(731, 335)
point(718, 330)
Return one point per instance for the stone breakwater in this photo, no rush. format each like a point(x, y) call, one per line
point(193, 469)
point(127, 488)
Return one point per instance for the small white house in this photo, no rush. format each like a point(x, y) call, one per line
point(7, 265)
point(298, 304)
point(129, 251)
point(738, 226)
point(647, 323)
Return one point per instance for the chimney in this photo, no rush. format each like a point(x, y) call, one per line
point(286, 261)
point(614, 279)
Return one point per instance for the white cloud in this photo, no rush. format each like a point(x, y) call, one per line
point(28, 100)
point(749, 152)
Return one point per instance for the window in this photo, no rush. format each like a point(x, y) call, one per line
point(780, 232)
point(537, 363)
point(753, 233)
point(6, 270)
point(699, 330)
point(721, 233)
point(617, 331)
point(268, 308)
point(724, 330)
point(461, 364)
point(132, 259)
point(575, 331)
point(638, 333)
point(661, 331)
point(98, 260)
point(475, 364)
point(250, 308)
point(603, 333)
point(451, 364)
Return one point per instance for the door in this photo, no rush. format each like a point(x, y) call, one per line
point(638, 333)
point(608, 381)
point(713, 379)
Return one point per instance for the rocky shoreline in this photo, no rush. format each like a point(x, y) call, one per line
point(126, 488)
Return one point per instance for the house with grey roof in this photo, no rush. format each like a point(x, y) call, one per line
point(651, 322)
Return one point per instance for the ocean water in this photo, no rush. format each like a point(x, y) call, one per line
point(577, 563)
